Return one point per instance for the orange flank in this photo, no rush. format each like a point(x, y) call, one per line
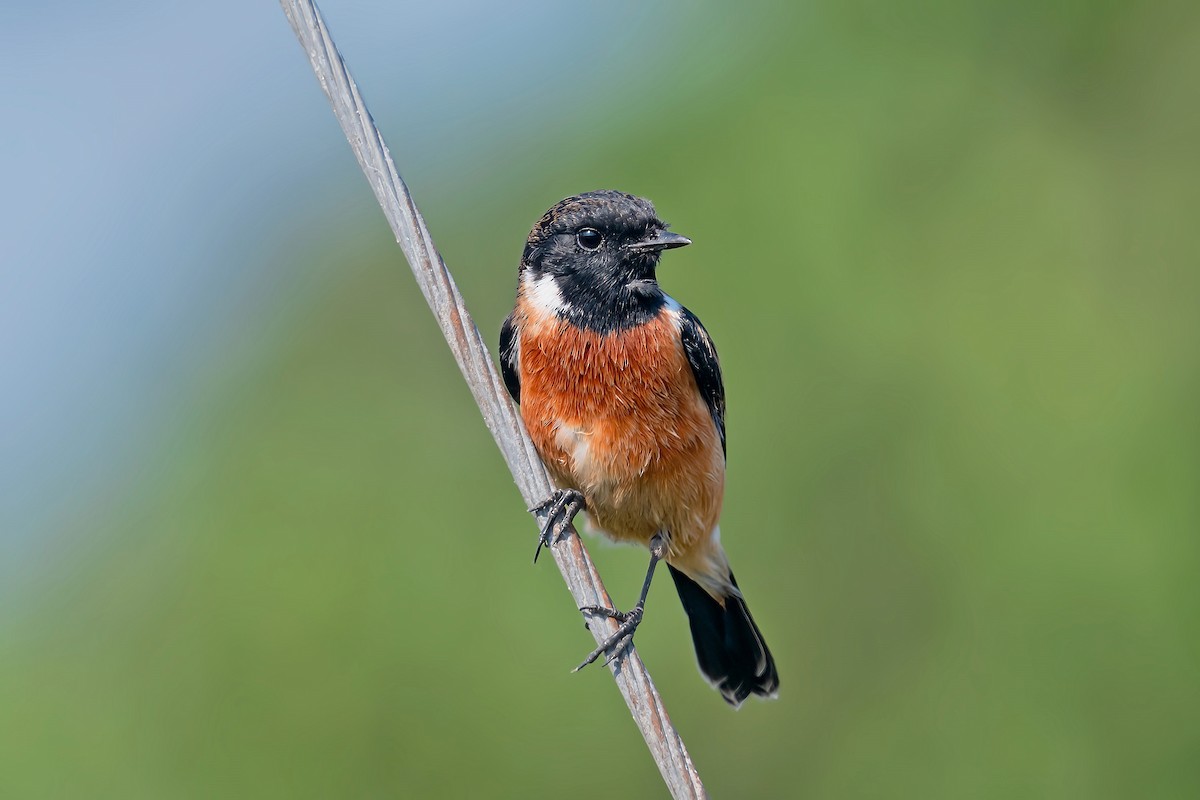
point(618, 417)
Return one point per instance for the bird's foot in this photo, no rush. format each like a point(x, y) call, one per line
point(560, 510)
point(620, 639)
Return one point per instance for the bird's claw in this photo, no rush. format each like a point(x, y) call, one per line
point(620, 639)
point(560, 511)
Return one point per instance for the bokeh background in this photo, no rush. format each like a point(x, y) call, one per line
point(256, 542)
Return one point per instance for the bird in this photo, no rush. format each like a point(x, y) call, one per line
point(621, 391)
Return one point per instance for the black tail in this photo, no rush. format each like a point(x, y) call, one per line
point(729, 647)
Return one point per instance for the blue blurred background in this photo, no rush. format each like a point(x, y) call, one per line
point(249, 515)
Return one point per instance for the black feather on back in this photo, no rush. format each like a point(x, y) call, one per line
point(702, 355)
point(508, 359)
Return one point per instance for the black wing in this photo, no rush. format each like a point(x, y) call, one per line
point(702, 355)
point(508, 358)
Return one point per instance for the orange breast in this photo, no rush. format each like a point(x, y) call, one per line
point(619, 418)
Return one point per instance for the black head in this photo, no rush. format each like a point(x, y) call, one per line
point(593, 257)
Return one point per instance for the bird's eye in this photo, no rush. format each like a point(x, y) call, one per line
point(589, 238)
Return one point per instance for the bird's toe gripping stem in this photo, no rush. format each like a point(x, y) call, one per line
point(622, 637)
point(560, 510)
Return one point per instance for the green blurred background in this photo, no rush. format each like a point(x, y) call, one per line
point(949, 254)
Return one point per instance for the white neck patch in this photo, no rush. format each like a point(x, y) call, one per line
point(543, 294)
